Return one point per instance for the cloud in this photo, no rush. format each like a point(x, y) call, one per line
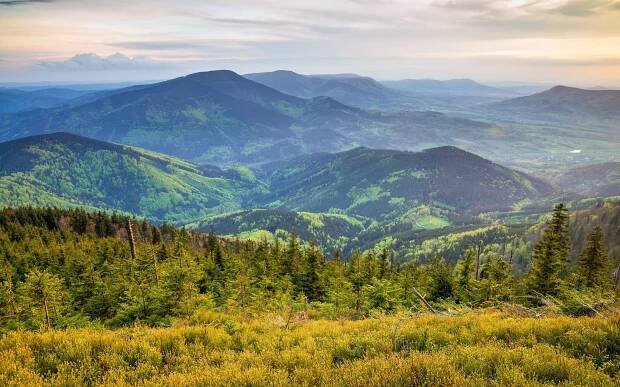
point(20, 2)
point(182, 44)
point(94, 62)
point(583, 8)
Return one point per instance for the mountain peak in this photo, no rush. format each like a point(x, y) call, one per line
point(214, 74)
point(563, 88)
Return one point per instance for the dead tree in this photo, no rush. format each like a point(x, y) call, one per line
point(132, 246)
point(421, 297)
point(478, 260)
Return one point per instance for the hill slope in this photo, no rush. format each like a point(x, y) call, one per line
point(330, 231)
point(377, 183)
point(63, 169)
point(597, 179)
point(565, 104)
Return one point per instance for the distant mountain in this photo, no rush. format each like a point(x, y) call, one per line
point(522, 88)
point(187, 116)
point(597, 179)
point(67, 170)
point(565, 104)
point(453, 87)
point(388, 183)
point(16, 100)
point(349, 89)
point(219, 117)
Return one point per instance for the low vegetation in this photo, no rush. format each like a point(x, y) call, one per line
point(218, 349)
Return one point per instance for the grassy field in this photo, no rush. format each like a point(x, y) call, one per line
point(209, 348)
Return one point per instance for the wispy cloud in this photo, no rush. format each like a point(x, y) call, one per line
point(20, 2)
point(94, 62)
point(584, 8)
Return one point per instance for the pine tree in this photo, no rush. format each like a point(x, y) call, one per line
point(43, 298)
point(593, 264)
point(496, 278)
point(465, 270)
point(441, 286)
point(559, 226)
point(384, 263)
point(551, 254)
point(312, 286)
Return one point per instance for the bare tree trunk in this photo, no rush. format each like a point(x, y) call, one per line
point(132, 246)
point(421, 297)
point(47, 313)
point(155, 266)
point(478, 262)
point(618, 275)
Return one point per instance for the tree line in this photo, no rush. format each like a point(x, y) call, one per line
point(69, 267)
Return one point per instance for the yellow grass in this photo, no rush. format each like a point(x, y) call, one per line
point(217, 349)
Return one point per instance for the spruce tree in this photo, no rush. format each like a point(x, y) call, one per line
point(550, 256)
point(465, 270)
point(312, 286)
point(559, 226)
point(43, 297)
point(593, 264)
point(384, 263)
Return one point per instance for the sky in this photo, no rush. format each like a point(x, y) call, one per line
point(553, 41)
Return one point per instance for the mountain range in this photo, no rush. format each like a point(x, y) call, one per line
point(327, 195)
point(223, 118)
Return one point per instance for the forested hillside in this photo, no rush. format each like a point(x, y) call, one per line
point(67, 170)
point(331, 231)
point(345, 200)
point(382, 183)
point(67, 268)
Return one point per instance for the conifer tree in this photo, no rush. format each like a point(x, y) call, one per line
point(550, 254)
point(465, 270)
point(559, 226)
point(312, 286)
point(43, 298)
point(593, 264)
point(384, 263)
point(291, 255)
point(441, 286)
point(496, 278)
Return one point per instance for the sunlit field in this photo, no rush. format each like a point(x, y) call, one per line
point(485, 348)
